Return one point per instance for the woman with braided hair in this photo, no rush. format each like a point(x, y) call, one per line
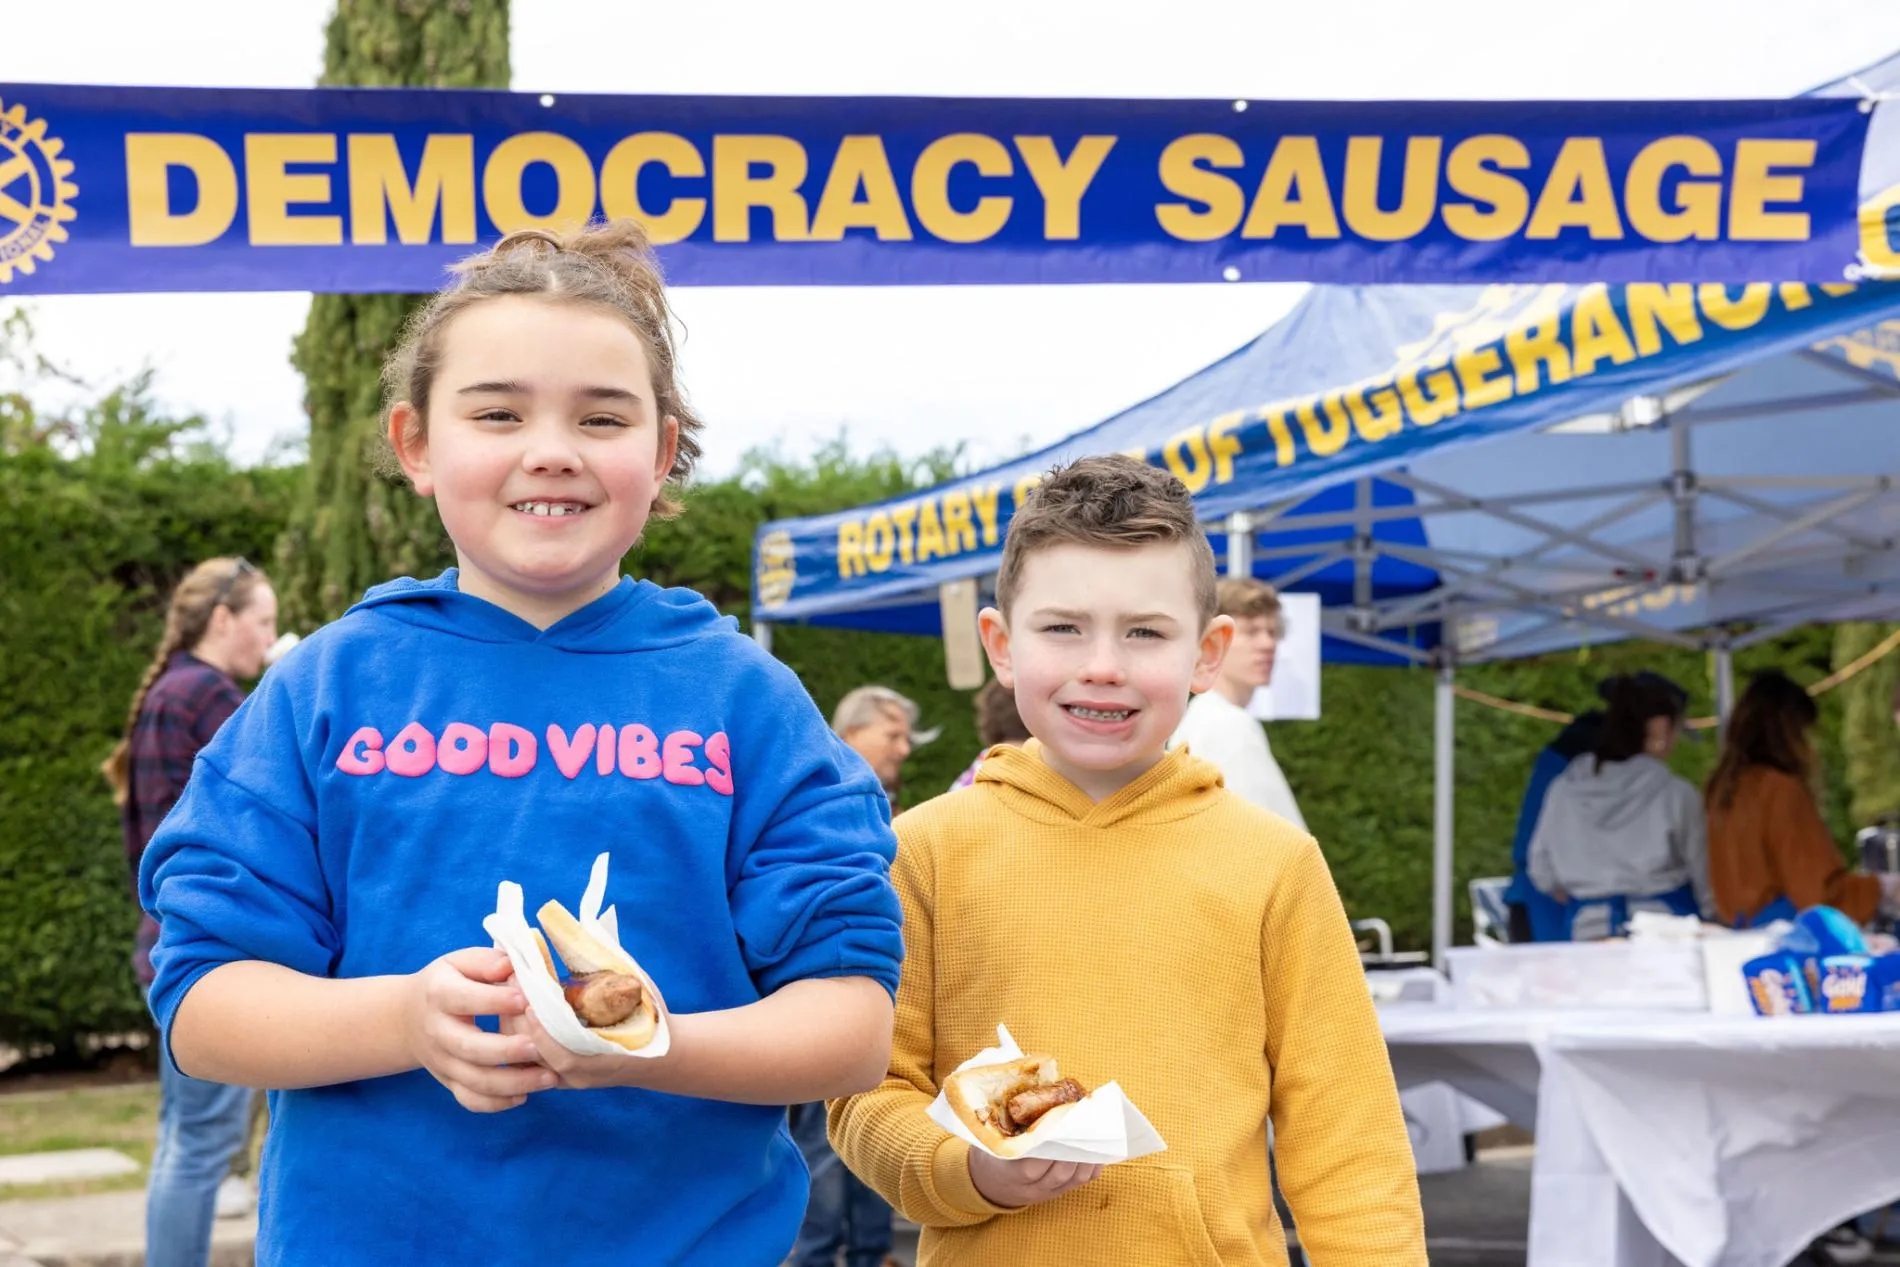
point(221, 622)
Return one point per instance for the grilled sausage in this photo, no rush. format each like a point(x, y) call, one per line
point(1023, 1108)
point(602, 999)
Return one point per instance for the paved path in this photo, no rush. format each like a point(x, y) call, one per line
point(1475, 1218)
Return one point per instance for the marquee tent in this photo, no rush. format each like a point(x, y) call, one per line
point(1466, 473)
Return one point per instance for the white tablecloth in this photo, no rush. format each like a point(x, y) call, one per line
point(1668, 1138)
point(1438, 1116)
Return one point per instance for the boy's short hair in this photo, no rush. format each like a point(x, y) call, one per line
point(1109, 503)
point(1242, 596)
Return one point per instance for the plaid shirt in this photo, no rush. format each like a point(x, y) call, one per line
point(181, 713)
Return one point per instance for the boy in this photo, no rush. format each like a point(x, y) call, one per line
point(1218, 728)
point(1118, 909)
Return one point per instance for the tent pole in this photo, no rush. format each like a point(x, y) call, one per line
point(1724, 687)
point(1442, 751)
point(1240, 544)
point(1364, 551)
point(762, 634)
point(1686, 565)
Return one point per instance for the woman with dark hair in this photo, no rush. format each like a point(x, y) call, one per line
point(1619, 832)
point(1770, 854)
point(1534, 914)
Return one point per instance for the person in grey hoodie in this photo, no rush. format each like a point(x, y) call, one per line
point(1619, 833)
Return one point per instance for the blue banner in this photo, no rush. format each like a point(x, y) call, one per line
point(1355, 381)
point(161, 189)
point(1875, 350)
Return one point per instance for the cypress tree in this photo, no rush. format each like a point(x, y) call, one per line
point(1868, 741)
point(351, 527)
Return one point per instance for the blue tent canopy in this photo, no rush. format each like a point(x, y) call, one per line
point(1464, 473)
point(1584, 476)
point(1505, 469)
point(1329, 423)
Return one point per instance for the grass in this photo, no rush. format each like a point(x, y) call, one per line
point(124, 1118)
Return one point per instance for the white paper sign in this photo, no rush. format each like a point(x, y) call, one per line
point(514, 935)
point(1101, 1128)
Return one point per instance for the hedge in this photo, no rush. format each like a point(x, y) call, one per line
point(90, 546)
point(1363, 772)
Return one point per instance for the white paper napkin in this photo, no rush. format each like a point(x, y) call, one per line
point(1104, 1126)
point(513, 934)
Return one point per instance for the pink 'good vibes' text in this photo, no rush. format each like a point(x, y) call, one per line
point(510, 751)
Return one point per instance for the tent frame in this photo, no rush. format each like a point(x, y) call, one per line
point(1478, 586)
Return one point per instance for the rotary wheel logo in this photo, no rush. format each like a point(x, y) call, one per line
point(35, 196)
point(777, 569)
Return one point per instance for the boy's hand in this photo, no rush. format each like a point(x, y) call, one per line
point(486, 1072)
point(1025, 1182)
point(573, 1072)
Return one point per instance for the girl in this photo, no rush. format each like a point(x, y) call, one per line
point(321, 886)
point(221, 622)
point(1618, 832)
point(1770, 854)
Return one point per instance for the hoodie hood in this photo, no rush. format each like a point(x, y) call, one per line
point(1618, 796)
point(1178, 786)
point(632, 616)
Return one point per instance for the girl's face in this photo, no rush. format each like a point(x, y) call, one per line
point(543, 451)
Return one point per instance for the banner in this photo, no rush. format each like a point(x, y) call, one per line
point(1875, 350)
point(163, 189)
point(1353, 382)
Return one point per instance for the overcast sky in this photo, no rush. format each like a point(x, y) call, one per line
point(914, 367)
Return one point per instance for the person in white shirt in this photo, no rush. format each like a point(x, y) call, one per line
point(1218, 728)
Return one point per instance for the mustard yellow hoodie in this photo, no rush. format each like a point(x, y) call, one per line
point(1179, 941)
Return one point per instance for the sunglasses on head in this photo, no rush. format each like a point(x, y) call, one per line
point(238, 569)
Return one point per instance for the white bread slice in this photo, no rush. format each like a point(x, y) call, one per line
point(582, 952)
point(973, 1095)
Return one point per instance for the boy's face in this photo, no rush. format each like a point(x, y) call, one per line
point(1102, 648)
point(1249, 663)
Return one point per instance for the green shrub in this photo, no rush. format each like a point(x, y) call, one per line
point(90, 546)
point(1868, 750)
point(92, 540)
point(1363, 772)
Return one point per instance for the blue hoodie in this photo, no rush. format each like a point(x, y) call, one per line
point(354, 818)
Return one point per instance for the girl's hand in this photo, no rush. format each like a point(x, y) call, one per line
point(574, 1072)
point(1025, 1181)
point(486, 1072)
